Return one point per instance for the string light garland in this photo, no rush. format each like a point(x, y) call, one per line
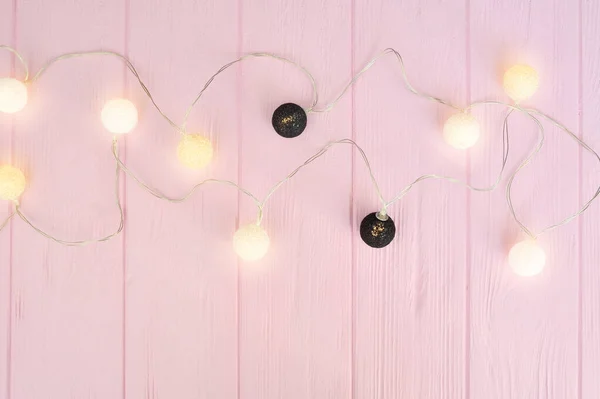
point(251, 242)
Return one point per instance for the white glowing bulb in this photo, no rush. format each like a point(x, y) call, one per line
point(12, 183)
point(527, 258)
point(251, 242)
point(194, 151)
point(461, 131)
point(119, 116)
point(13, 95)
point(521, 82)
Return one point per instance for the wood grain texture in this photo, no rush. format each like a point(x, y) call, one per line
point(410, 297)
point(589, 173)
point(181, 331)
point(66, 302)
point(524, 330)
point(295, 306)
point(7, 68)
point(168, 311)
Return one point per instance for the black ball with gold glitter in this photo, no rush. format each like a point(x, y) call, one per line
point(377, 230)
point(289, 120)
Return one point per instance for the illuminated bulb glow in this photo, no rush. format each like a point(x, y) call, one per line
point(119, 116)
point(461, 131)
point(194, 151)
point(13, 95)
point(527, 258)
point(12, 183)
point(521, 82)
point(251, 242)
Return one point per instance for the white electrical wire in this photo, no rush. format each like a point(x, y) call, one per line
point(368, 66)
point(19, 212)
point(315, 95)
point(19, 57)
point(587, 148)
point(3, 225)
point(128, 63)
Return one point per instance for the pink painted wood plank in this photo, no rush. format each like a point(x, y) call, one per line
point(589, 172)
point(524, 330)
point(437, 314)
point(66, 318)
point(181, 270)
point(295, 304)
point(6, 130)
point(410, 296)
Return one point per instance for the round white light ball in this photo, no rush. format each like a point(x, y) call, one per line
point(521, 82)
point(119, 116)
point(194, 151)
point(13, 95)
point(461, 131)
point(12, 183)
point(251, 242)
point(527, 258)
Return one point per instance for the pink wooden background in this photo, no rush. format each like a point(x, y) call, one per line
point(167, 311)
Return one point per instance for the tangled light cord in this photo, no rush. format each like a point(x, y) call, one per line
point(251, 241)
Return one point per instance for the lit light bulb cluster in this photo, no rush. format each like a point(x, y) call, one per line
point(462, 131)
point(195, 151)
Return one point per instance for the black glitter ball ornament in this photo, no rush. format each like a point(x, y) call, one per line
point(289, 120)
point(375, 232)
